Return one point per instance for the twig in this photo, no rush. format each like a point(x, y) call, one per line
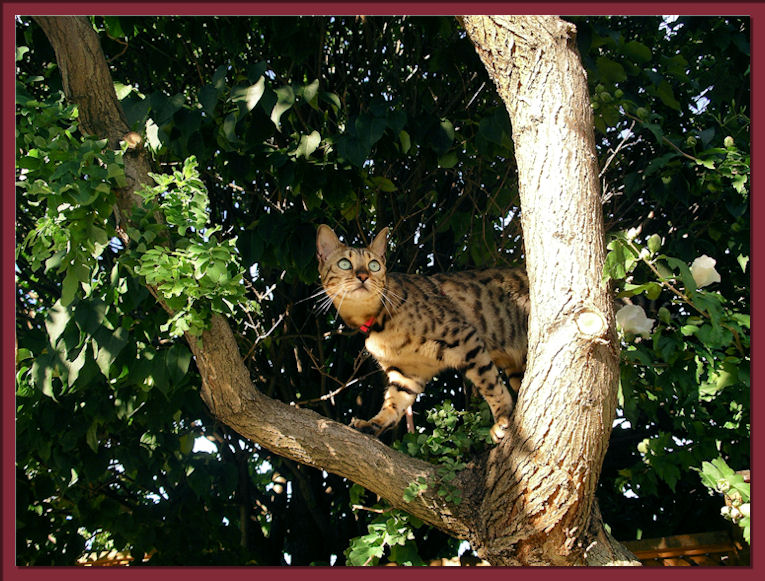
point(370, 509)
point(360, 358)
point(617, 150)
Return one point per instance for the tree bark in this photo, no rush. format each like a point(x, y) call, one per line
point(86, 81)
point(541, 481)
point(531, 501)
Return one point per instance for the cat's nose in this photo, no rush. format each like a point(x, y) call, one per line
point(362, 275)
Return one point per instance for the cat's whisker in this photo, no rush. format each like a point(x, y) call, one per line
point(391, 294)
point(342, 299)
point(318, 293)
point(324, 304)
point(387, 304)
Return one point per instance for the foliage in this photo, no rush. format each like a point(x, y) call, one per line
point(391, 530)
point(454, 438)
point(696, 364)
point(717, 476)
point(195, 274)
point(359, 123)
point(673, 132)
point(70, 180)
point(103, 403)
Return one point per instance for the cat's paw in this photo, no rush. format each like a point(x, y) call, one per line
point(500, 429)
point(366, 427)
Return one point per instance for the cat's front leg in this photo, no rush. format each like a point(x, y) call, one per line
point(400, 395)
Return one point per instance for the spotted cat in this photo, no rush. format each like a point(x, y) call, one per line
point(417, 326)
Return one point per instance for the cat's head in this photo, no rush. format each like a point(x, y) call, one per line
point(353, 278)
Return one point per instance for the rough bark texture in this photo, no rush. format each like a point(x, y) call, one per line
point(86, 81)
point(530, 501)
point(541, 481)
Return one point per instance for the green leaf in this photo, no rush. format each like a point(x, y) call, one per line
point(369, 129)
point(91, 437)
point(442, 137)
point(251, 95)
point(56, 321)
point(310, 92)
point(638, 51)
point(383, 184)
point(448, 160)
point(73, 368)
point(667, 96)
point(610, 70)
point(165, 107)
point(55, 260)
point(114, 27)
point(186, 444)
point(69, 286)
point(351, 149)
point(177, 361)
point(109, 345)
point(365, 550)
point(654, 243)
point(208, 99)
point(122, 90)
point(42, 374)
point(20, 52)
point(685, 273)
point(406, 554)
point(285, 99)
point(619, 261)
point(229, 127)
point(653, 291)
point(308, 144)
point(405, 140)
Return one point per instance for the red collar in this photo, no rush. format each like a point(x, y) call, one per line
point(367, 326)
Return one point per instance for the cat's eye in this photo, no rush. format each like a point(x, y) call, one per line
point(374, 266)
point(344, 264)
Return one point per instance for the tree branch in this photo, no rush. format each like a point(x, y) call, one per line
point(309, 438)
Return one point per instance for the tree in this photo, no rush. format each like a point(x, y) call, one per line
point(290, 431)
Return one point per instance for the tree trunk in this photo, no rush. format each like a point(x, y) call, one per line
point(531, 501)
point(541, 481)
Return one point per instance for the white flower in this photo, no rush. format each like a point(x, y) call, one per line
point(633, 233)
point(632, 319)
point(703, 271)
point(744, 508)
point(723, 485)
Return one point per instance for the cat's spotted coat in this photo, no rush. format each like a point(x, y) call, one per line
point(417, 326)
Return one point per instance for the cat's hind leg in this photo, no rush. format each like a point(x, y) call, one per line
point(481, 370)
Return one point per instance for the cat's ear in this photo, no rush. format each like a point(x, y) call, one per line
point(326, 242)
point(380, 243)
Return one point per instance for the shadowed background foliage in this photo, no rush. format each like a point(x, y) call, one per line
point(360, 123)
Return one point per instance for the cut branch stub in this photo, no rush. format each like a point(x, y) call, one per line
point(591, 322)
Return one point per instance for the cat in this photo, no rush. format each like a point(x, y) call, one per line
point(417, 326)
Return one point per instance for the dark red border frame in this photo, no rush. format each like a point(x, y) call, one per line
point(756, 10)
